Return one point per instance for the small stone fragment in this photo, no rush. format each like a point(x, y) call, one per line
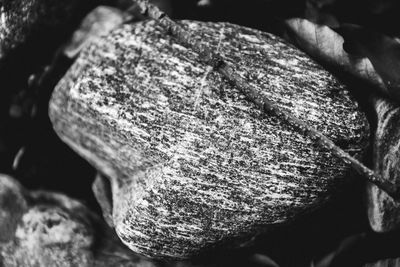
point(49, 229)
point(383, 211)
point(98, 22)
point(193, 165)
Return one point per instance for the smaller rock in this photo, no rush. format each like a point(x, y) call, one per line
point(97, 23)
point(50, 229)
point(383, 211)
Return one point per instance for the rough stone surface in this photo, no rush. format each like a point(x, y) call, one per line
point(20, 19)
point(192, 164)
point(383, 212)
point(50, 229)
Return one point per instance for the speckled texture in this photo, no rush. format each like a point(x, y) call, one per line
point(383, 212)
point(49, 229)
point(19, 19)
point(192, 164)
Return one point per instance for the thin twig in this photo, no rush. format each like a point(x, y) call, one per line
point(213, 59)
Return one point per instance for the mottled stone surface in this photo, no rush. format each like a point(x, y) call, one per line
point(383, 212)
point(49, 229)
point(192, 164)
point(21, 19)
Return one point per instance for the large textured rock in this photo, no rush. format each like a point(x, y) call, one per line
point(22, 19)
point(49, 229)
point(192, 164)
point(383, 211)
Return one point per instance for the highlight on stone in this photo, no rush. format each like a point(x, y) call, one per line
point(192, 163)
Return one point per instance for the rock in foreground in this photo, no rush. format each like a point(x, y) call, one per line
point(192, 164)
point(49, 229)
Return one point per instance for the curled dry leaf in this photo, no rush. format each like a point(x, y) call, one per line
point(383, 52)
point(314, 11)
point(326, 46)
point(383, 212)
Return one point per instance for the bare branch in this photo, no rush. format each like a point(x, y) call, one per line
point(213, 59)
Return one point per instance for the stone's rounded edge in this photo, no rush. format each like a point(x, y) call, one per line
point(125, 235)
point(59, 102)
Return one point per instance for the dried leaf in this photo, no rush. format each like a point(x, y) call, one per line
point(383, 211)
point(315, 12)
point(326, 46)
point(383, 52)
